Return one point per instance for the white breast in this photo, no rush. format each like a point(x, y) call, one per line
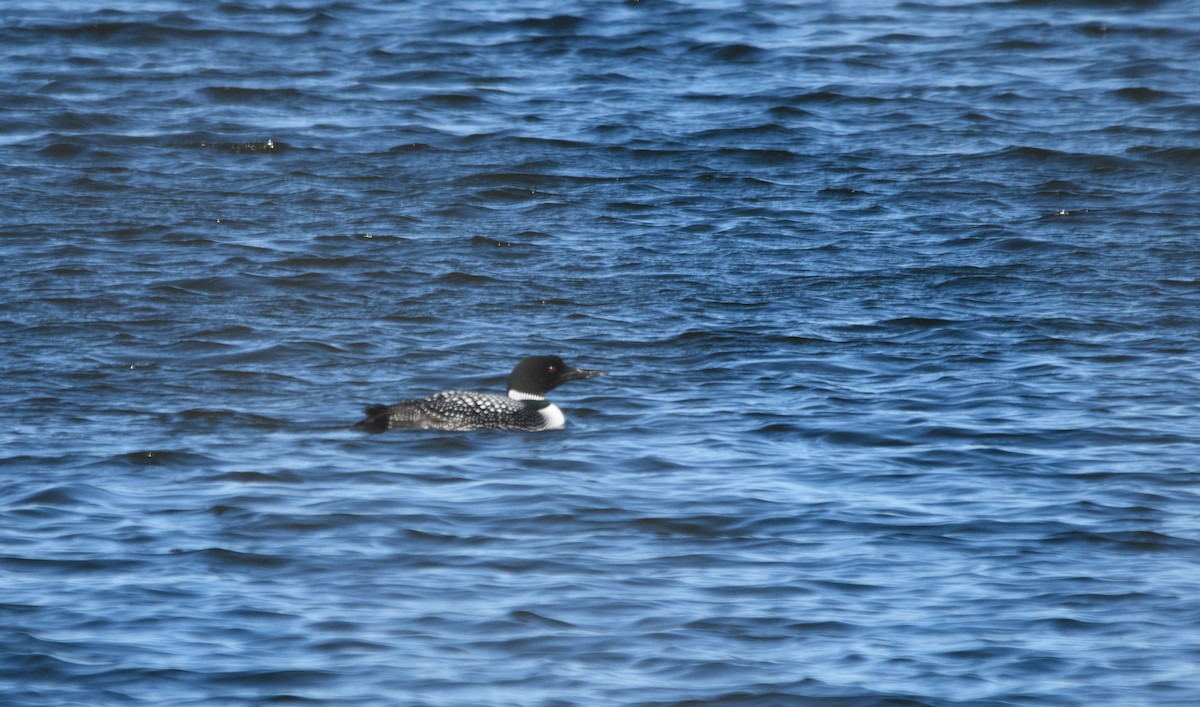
point(554, 417)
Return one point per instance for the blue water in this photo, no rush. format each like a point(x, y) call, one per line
point(900, 301)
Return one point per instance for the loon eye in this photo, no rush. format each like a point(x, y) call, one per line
point(552, 368)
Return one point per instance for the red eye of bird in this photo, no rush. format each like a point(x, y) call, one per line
point(552, 369)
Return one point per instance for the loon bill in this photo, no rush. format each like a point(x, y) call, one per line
point(525, 409)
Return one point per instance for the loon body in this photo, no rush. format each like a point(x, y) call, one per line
point(525, 409)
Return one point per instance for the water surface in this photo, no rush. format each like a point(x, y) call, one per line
point(899, 300)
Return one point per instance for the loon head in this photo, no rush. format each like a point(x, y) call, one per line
point(537, 375)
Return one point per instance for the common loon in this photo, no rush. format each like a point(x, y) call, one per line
point(525, 409)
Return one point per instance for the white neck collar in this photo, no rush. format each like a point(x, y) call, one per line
point(518, 395)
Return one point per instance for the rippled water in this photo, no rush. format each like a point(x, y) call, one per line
point(901, 303)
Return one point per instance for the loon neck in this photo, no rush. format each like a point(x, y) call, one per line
point(518, 395)
point(530, 400)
